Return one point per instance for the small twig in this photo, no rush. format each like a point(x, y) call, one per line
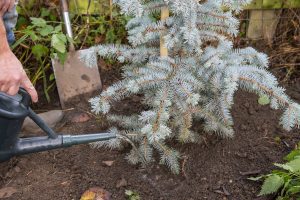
point(89, 113)
point(205, 142)
point(225, 191)
point(69, 109)
point(295, 14)
point(250, 172)
point(29, 172)
point(286, 144)
point(185, 158)
point(9, 182)
point(219, 192)
point(25, 46)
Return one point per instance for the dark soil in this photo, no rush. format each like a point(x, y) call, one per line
point(216, 169)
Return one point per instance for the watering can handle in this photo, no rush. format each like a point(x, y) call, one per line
point(8, 111)
point(25, 96)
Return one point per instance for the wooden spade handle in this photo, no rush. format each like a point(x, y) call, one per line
point(64, 5)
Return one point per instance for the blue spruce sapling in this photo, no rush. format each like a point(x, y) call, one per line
point(185, 66)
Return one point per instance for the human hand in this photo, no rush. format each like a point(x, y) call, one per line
point(6, 5)
point(13, 76)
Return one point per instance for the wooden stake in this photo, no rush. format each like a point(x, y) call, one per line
point(164, 15)
point(111, 10)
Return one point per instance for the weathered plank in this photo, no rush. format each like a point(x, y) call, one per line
point(263, 24)
point(273, 4)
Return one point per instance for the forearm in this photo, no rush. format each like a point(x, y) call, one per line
point(12, 74)
point(4, 46)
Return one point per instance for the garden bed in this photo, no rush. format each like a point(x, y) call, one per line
point(215, 169)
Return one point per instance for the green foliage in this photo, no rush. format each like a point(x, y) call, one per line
point(96, 29)
point(273, 4)
point(92, 7)
point(40, 37)
point(41, 33)
point(285, 181)
point(131, 195)
point(272, 184)
point(293, 155)
point(35, 31)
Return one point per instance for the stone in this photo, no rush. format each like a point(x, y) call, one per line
point(17, 169)
point(108, 163)
point(80, 118)
point(51, 118)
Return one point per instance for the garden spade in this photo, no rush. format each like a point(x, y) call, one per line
point(74, 77)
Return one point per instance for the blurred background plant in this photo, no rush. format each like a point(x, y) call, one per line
point(40, 35)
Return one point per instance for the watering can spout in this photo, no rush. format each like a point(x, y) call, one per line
point(69, 140)
point(38, 144)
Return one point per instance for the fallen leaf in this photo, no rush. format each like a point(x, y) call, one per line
point(88, 195)
point(80, 118)
point(65, 183)
point(121, 183)
point(7, 192)
point(264, 100)
point(108, 163)
point(96, 193)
